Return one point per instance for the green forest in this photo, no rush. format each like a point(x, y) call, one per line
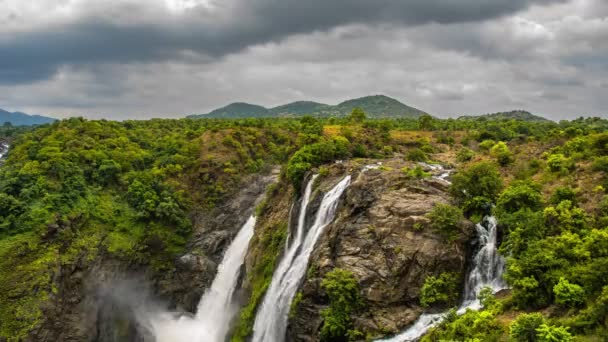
point(78, 191)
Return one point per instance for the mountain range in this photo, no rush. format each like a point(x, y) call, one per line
point(22, 119)
point(376, 106)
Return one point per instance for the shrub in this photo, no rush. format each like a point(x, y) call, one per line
point(445, 219)
point(465, 155)
point(472, 326)
point(600, 144)
point(560, 163)
point(564, 217)
point(501, 152)
point(549, 333)
point(416, 172)
point(567, 294)
point(416, 155)
point(442, 290)
point(343, 291)
point(563, 193)
point(486, 145)
point(523, 329)
point(600, 164)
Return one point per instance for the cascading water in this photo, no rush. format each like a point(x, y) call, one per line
point(488, 265)
point(3, 149)
point(487, 271)
point(443, 173)
point(271, 319)
point(216, 309)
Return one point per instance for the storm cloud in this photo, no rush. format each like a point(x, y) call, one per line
point(135, 58)
point(156, 35)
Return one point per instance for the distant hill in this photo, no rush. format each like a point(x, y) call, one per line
point(513, 115)
point(377, 106)
point(22, 119)
point(239, 110)
point(299, 108)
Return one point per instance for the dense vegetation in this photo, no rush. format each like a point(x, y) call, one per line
point(555, 238)
point(77, 191)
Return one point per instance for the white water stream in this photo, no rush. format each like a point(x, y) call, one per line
point(271, 319)
point(216, 308)
point(3, 149)
point(487, 271)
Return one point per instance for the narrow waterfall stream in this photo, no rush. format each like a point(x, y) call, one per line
point(216, 308)
point(271, 319)
point(487, 271)
point(488, 267)
point(3, 149)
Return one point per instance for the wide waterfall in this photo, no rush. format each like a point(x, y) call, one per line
point(487, 271)
point(216, 308)
point(271, 320)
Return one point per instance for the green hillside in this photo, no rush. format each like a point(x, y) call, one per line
point(377, 106)
point(238, 110)
point(512, 115)
point(299, 108)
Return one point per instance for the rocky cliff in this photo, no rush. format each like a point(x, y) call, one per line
point(98, 300)
point(382, 236)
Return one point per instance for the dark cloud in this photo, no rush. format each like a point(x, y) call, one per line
point(112, 36)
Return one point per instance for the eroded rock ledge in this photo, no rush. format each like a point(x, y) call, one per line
point(381, 235)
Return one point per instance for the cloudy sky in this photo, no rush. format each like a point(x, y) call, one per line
point(166, 58)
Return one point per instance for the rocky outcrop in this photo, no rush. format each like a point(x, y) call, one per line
point(213, 231)
point(381, 235)
point(98, 300)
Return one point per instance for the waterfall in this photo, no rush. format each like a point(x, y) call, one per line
point(216, 309)
point(487, 271)
point(271, 319)
point(488, 265)
point(3, 149)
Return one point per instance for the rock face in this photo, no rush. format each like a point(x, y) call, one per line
point(213, 232)
point(381, 235)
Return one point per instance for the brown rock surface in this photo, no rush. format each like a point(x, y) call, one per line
point(381, 235)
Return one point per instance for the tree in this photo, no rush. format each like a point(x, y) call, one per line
point(342, 289)
point(518, 196)
point(476, 186)
point(358, 115)
point(425, 122)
